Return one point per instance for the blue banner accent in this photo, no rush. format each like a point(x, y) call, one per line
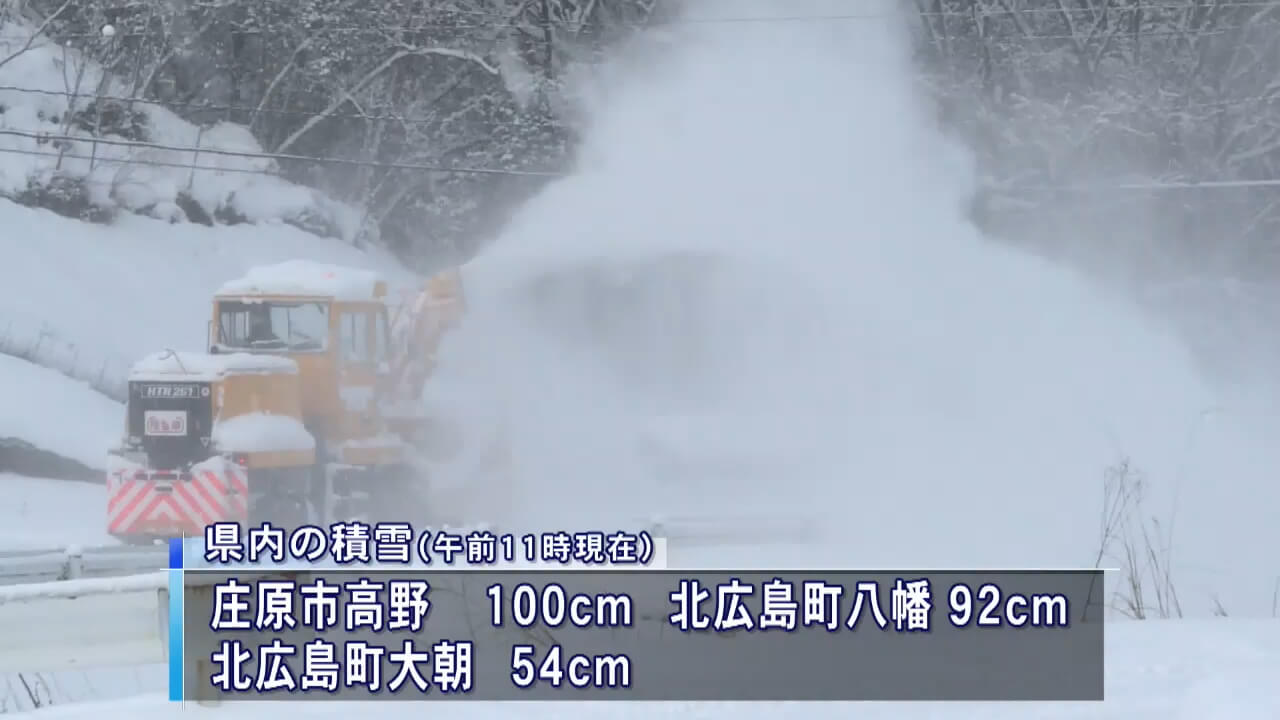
point(176, 684)
point(176, 547)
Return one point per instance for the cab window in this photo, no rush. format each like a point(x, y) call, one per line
point(272, 326)
point(354, 333)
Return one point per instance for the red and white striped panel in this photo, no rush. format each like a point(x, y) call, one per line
point(139, 504)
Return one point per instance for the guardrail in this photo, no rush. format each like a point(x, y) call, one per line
point(75, 562)
point(86, 623)
point(97, 607)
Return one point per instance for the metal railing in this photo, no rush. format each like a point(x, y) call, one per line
point(73, 562)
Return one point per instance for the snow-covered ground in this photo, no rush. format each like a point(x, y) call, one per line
point(55, 413)
point(42, 514)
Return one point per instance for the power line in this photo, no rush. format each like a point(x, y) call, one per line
point(504, 21)
point(420, 167)
point(1104, 10)
point(151, 162)
point(196, 106)
point(1212, 104)
point(1126, 34)
point(409, 120)
point(1143, 7)
point(385, 30)
point(134, 161)
point(420, 121)
point(983, 12)
point(1151, 185)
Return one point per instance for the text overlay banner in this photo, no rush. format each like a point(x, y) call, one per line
point(644, 635)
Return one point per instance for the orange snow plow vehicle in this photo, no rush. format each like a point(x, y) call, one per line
point(303, 410)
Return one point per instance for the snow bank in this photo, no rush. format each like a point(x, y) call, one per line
point(41, 514)
point(82, 624)
point(257, 432)
point(124, 171)
point(55, 413)
point(303, 277)
point(168, 365)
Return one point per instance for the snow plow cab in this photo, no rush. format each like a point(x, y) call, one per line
point(301, 412)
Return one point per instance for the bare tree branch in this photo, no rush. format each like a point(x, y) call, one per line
point(279, 77)
point(346, 94)
point(38, 33)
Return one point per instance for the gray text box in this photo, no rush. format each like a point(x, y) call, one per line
point(991, 636)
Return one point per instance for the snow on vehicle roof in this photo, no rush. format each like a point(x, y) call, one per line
point(303, 277)
point(168, 366)
point(260, 432)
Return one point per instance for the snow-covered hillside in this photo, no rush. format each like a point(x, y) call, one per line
point(55, 413)
point(87, 298)
point(71, 139)
point(108, 294)
point(91, 299)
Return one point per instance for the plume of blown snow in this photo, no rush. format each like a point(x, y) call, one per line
point(760, 296)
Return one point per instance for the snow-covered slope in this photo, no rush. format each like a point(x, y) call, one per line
point(67, 130)
point(1191, 670)
point(109, 294)
point(87, 299)
point(55, 413)
point(92, 299)
point(41, 514)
